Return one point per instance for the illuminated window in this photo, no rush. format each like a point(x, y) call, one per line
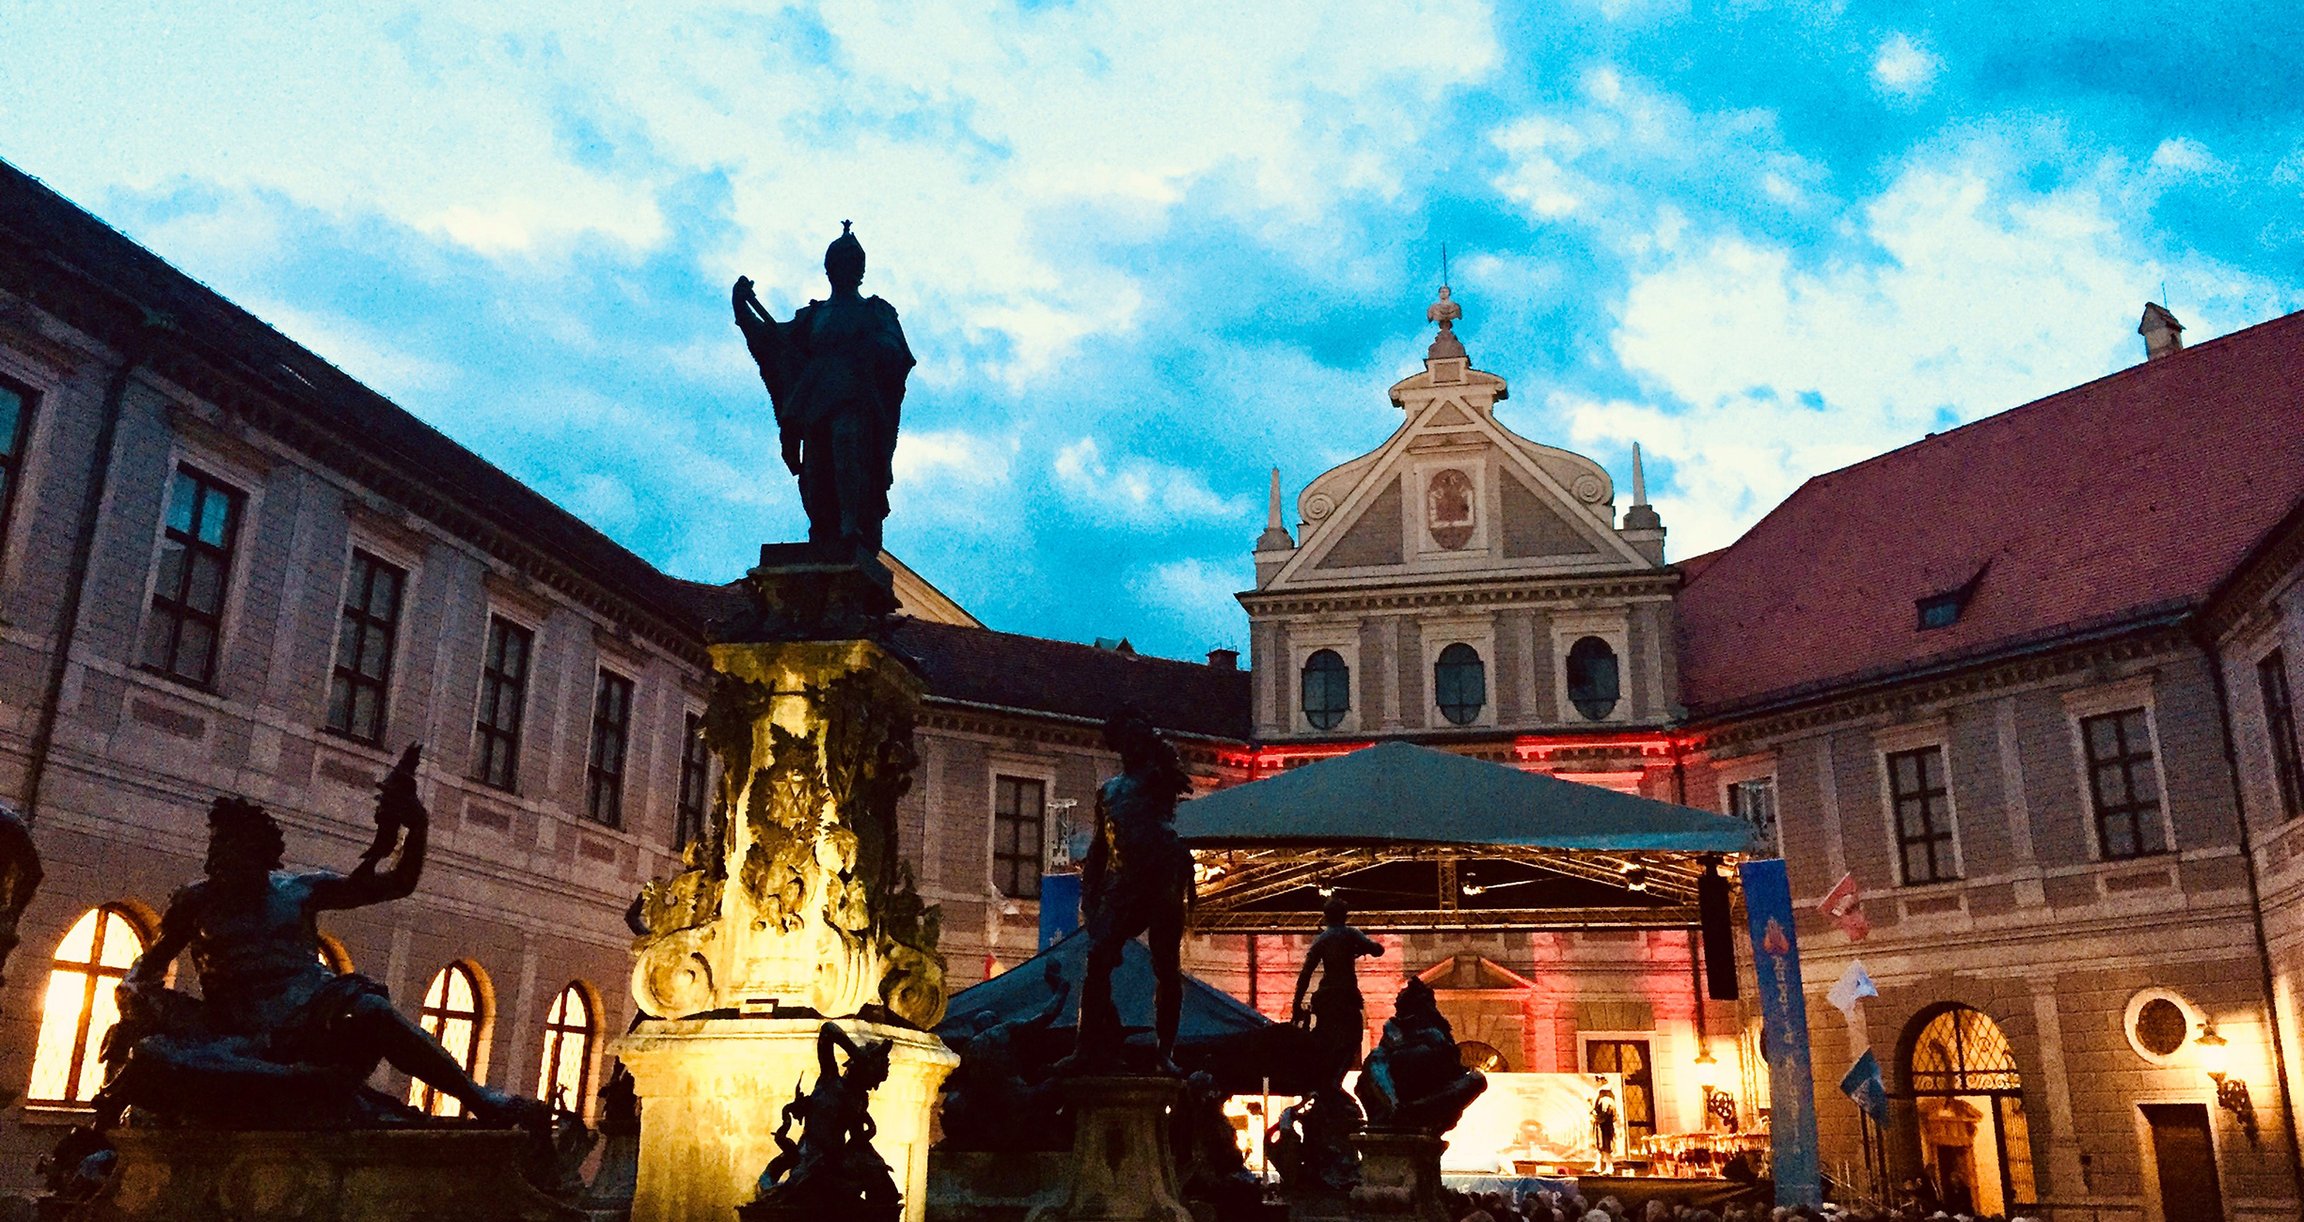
point(187, 617)
point(1327, 689)
point(1460, 684)
point(82, 1004)
point(453, 1015)
point(566, 1079)
point(333, 956)
point(1593, 681)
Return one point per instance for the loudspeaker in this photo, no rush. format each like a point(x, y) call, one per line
point(1714, 918)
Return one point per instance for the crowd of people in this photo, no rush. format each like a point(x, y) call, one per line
point(1569, 1207)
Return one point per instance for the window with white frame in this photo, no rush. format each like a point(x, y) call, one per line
point(1754, 801)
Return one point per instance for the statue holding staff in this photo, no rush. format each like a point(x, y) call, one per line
point(835, 376)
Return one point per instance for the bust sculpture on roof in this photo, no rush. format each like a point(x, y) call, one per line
point(835, 376)
point(1445, 312)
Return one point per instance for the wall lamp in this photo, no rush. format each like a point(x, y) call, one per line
point(2231, 1090)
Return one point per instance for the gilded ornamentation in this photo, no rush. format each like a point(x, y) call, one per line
point(815, 739)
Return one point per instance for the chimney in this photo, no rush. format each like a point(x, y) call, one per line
point(1224, 659)
point(2162, 333)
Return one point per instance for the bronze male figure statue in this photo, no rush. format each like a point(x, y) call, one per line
point(835, 376)
point(1137, 879)
point(830, 1171)
point(276, 1039)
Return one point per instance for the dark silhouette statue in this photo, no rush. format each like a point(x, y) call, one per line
point(999, 1097)
point(276, 1039)
point(831, 1170)
point(1335, 1014)
point(1137, 879)
point(835, 376)
point(19, 877)
point(1416, 1079)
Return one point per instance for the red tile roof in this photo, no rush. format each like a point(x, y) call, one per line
point(2125, 499)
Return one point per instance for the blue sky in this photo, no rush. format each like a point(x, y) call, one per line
point(1146, 251)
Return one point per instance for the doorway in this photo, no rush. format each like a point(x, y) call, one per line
point(1975, 1139)
point(1629, 1058)
point(2184, 1151)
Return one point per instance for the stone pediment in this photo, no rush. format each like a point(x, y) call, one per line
point(1454, 493)
point(1469, 972)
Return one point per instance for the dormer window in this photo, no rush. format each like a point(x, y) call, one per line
point(1943, 610)
point(1940, 610)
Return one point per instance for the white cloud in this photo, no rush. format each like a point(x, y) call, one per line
point(1198, 594)
point(2182, 155)
point(975, 143)
point(1904, 68)
point(1979, 294)
point(954, 478)
point(1136, 491)
point(1617, 160)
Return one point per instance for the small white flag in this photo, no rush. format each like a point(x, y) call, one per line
point(1853, 986)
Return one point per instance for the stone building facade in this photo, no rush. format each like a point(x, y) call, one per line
point(2026, 683)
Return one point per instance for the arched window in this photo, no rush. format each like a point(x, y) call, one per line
point(1592, 682)
point(82, 1004)
point(333, 956)
point(566, 1079)
point(1975, 1140)
point(1327, 689)
point(1460, 684)
point(456, 1014)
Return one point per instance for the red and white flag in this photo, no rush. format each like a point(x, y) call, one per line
point(1845, 905)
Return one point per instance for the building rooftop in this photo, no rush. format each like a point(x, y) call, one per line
point(2116, 502)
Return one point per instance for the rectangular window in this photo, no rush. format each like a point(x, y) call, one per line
point(187, 619)
point(2123, 786)
point(503, 699)
point(695, 784)
point(2280, 730)
point(1019, 812)
point(1754, 802)
point(15, 428)
point(1923, 804)
point(364, 641)
point(611, 730)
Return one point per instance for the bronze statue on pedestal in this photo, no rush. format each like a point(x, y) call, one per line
point(835, 376)
point(1137, 880)
point(831, 1170)
point(277, 1039)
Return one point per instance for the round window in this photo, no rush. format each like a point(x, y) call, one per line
point(2159, 1024)
point(2161, 1027)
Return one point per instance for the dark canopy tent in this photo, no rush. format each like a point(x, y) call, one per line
point(1214, 1032)
point(1416, 838)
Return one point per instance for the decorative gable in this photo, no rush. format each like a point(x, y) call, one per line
point(1454, 493)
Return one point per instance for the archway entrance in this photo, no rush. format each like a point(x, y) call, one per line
point(1975, 1142)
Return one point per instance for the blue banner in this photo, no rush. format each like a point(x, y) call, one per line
point(1059, 906)
point(1784, 1032)
point(1865, 1087)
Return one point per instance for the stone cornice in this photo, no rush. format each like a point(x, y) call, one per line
point(1265, 605)
point(1900, 697)
point(2240, 605)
